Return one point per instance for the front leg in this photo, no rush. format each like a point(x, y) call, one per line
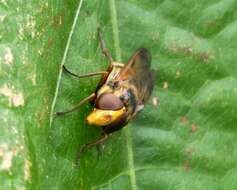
point(105, 51)
point(84, 75)
point(87, 99)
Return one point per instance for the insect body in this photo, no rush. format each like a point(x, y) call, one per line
point(120, 95)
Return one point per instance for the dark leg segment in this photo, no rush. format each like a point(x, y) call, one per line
point(103, 47)
point(85, 147)
point(84, 75)
point(87, 99)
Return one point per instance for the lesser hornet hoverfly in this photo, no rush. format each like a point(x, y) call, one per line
point(120, 94)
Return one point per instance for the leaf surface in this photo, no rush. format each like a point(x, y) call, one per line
point(187, 141)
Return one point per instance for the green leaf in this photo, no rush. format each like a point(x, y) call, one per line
point(28, 75)
point(187, 142)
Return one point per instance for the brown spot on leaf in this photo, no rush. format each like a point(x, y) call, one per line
point(194, 128)
point(209, 24)
point(189, 51)
point(50, 42)
point(184, 120)
point(187, 165)
point(205, 56)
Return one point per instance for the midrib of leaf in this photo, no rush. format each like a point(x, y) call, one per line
point(115, 30)
point(63, 61)
point(130, 158)
point(128, 136)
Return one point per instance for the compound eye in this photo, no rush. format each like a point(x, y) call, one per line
point(109, 101)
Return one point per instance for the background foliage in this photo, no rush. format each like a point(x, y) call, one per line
point(187, 142)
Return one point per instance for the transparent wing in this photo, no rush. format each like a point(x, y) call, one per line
point(139, 74)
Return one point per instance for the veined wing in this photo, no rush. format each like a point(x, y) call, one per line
point(138, 72)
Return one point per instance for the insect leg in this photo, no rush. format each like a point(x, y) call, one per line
point(85, 147)
point(84, 75)
point(87, 99)
point(103, 47)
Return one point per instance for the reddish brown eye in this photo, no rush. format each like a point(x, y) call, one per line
point(109, 102)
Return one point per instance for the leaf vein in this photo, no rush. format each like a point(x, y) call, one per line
point(128, 136)
point(63, 62)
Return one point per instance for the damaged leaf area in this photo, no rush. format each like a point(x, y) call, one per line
point(28, 74)
point(184, 138)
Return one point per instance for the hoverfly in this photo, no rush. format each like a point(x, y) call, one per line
point(120, 94)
